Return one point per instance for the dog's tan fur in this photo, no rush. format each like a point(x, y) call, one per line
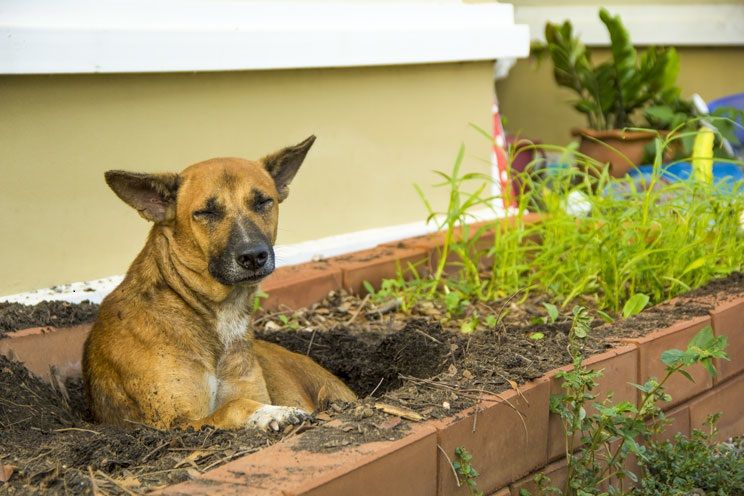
point(172, 346)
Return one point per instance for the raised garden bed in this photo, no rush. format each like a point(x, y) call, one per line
point(487, 391)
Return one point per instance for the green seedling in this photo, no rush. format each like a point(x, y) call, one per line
point(635, 305)
point(288, 322)
point(463, 467)
point(256, 302)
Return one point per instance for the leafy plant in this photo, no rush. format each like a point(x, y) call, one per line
point(635, 305)
point(606, 437)
point(289, 322)
point(464, 469)
point(655, 238)
point(256, 302)
point(694, 464)
point(615, 93)
point(611, 92)
point(552, 312)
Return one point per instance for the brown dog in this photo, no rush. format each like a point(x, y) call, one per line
point(171, 346)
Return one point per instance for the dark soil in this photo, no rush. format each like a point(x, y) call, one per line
point(15, 316)
point(419, 361)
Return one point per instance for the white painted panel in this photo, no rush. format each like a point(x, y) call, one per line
point(652, 24)
point(47, 36)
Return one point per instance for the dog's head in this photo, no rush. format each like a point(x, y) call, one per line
point(222, 214)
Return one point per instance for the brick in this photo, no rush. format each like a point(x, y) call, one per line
point(40, 348)
point(503, 448)
point(727, 398)
point(728, 321)
point(680, 424)
point(379, 263)
point(405, 466)
point(676, 336)
point(620, 368)
point(557, 472)
point(297, 286)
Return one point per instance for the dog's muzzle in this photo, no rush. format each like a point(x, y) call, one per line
point(247, 258)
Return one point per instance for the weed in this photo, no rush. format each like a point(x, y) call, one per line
point(465, 470)
point(256, 302)
point(289, 322)
point(693, 465)
point(635, 305)
point(636, 244)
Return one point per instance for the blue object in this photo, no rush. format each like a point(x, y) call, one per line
point(681, 171)
point(736, 101)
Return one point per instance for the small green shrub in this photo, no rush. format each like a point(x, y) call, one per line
point(685, 465)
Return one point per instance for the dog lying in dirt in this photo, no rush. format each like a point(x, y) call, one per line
point(172, 345)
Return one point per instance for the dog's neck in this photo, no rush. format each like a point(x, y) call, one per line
point(233, 315)
point(225, 310)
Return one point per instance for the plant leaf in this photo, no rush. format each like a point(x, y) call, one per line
point(635, 305)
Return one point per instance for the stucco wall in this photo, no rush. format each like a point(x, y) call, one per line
point(379, 130)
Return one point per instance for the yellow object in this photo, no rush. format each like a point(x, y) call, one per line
point(702, 155)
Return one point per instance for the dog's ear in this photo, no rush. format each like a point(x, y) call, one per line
point(284, 164)
point(152, 195)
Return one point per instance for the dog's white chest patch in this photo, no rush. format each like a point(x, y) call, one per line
point(213, 386)
point(232, 324)
point(233, 318)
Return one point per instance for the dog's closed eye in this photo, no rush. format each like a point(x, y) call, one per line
point(210, 212)
point(261, 203)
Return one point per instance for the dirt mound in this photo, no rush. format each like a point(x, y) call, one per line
point(14, 316)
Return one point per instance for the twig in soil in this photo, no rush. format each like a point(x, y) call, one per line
point(513, 385)
point(117, 484)
point(229, 457)
point(399, 412)
point(464, 391)
point(266, 317)
point(76, 429)
point(157, 448)
point(376, 388)
point(310, 344)
point(93, 485)
point(428, 336)
point(359, 310)
point(502, 314)
point(388, 307)
point(449, 460)
point(140, 424)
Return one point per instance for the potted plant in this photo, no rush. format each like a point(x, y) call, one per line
point(625, 92)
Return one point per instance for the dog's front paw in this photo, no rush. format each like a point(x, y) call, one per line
point(274, 417)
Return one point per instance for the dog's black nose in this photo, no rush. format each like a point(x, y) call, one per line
point(253, 258)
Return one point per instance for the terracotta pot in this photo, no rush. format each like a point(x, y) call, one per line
point(622, 150)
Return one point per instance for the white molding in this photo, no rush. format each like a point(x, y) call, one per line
point(652, 24)
point(317, 249)
point(73, 36)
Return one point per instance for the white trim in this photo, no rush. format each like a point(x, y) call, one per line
point(653, 24)
point(318, 249)
point(73, 36)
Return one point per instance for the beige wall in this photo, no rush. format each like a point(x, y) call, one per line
point(536, 108)
point(379, 131)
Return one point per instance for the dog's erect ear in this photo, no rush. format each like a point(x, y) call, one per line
point(284, 164)
point(152, 195)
